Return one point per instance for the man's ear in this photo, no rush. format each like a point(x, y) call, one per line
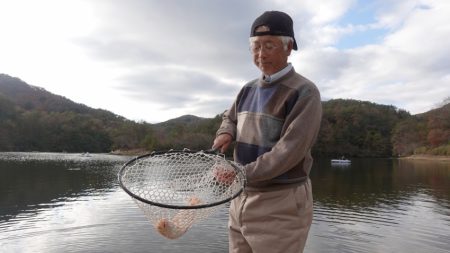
point(290, 46)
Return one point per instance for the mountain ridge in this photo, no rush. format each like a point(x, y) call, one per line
point(33, 119)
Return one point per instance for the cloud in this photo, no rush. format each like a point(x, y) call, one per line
point(406, 69)
point(209, 35)
point(174, 86)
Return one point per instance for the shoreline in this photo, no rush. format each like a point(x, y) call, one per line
point(130, 152)
point(426, 157)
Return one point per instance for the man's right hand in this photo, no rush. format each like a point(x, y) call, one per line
point(224, 175)
point(222, 141)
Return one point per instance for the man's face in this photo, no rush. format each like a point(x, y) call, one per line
point(268, 54)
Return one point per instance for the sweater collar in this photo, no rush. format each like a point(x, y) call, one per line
point(273, 78)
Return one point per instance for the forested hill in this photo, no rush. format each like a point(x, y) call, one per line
point(33, 119)
point(359, 128)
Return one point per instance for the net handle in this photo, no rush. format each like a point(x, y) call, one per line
point(214, 152)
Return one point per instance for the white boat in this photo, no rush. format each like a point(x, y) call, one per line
point(341, 161)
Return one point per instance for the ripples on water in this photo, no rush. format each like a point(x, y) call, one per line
point(410, 217)
point(108, 224)
point(91, 214)
point(409, 226)
point(72, 203)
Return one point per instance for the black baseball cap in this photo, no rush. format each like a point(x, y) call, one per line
point(278, 23)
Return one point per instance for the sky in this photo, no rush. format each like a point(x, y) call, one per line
point(152, 61)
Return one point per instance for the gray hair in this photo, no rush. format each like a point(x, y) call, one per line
point(284, 39)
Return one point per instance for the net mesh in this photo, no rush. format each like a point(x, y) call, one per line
point(176, 189)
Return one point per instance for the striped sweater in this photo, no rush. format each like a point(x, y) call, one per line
point(274, 126)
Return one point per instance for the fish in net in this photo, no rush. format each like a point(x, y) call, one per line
point(175, 189)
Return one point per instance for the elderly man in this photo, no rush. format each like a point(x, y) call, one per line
point(274, 122)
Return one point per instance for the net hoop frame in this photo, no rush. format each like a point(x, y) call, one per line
point(209, 152)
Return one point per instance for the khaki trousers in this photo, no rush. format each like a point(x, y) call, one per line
point(273, 221)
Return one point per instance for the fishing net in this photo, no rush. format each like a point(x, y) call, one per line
point(175, 189)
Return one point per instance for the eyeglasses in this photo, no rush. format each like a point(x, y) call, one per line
point(268, 47)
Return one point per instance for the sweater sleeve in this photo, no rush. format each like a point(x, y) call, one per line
point(228, 125)
point(298, 136)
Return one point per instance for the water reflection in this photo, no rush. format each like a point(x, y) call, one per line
point(381, 205)
point(105, 223)
point(72, 203)
point(31, 181)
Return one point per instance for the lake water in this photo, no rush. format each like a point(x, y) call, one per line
point(73, 203)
